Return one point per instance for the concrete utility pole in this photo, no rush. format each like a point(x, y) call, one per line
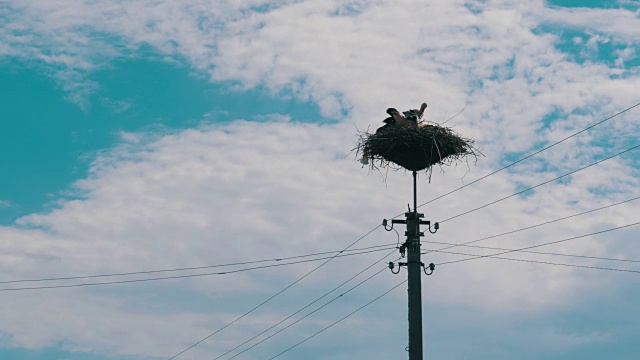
point(414, 269)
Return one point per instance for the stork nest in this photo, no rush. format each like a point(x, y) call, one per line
point(414, 148)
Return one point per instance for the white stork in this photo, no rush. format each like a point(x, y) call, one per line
point(406, 118)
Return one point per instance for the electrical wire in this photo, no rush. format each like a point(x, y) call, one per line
point(308, 255)
point(477, 180)
point(543, 183)
point(526, 157)
point(338, 321)
point(302, 309)
point(531, 252)
point(309, 314)
point(329, 259)
point(538, 225)
point(520, 160)
point(495, 256)
point(540, 245)
point(190, 275)
point(544, 262)
point(274, 295)
point(187, 268)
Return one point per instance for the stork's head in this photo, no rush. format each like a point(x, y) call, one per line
point(423, 107)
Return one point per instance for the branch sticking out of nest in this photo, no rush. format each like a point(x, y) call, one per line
point(414, 148)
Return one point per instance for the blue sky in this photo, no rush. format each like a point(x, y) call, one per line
point(51, 141)
point(145, 135)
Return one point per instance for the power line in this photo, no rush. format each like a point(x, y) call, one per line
point(187, 276)
point(307, 255)
point(477, 180)
point(274, 295)
point(540, 245)
point(490, 174)
point(531, 252)
point(544, 262)
point(540, 224)
point(300, 310)
point(188, 268)
point(309, 314)
point(528, 156)
point(397, 216)
point(339, 320)
point(495, 256)
point(543, 183)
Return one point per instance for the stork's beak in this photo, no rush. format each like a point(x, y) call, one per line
point(423, 107)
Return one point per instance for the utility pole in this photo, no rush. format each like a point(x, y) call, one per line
point(415, 267)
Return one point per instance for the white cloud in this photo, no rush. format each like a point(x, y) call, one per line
point(241, 191)
point(621, 23)
point(245, 190)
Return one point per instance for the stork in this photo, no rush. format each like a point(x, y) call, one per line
point(406, 118)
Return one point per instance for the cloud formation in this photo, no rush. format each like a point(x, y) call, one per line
point(223, 193)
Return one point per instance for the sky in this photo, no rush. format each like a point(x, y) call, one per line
point(149, 135)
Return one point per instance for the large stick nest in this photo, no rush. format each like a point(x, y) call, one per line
point(414, 148)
